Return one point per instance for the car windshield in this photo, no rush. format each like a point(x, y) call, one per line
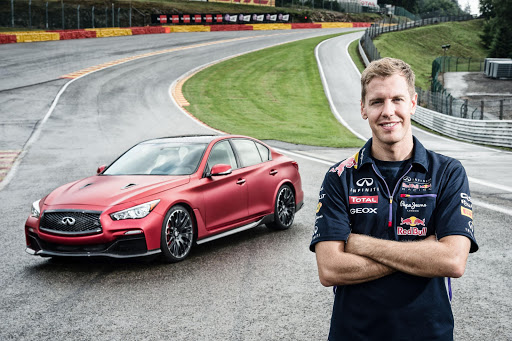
point(158, 158)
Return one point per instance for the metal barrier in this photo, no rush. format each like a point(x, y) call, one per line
point(476, 109)
point(495, 132)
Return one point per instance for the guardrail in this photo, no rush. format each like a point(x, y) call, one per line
point(489, 132)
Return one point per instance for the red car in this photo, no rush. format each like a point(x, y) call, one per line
point(164, 195)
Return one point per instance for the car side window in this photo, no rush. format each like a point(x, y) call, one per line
point(222, 153)
point(247, 152)
point(264, 152)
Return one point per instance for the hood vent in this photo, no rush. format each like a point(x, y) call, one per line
point(87, 185)
point(128, 186)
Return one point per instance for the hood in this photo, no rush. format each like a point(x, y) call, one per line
point(109, 190)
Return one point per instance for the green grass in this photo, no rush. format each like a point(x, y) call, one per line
point(420, 46)
point(353, 51)
point(274, 93)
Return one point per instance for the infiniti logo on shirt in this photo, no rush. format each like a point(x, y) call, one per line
point(364, 182)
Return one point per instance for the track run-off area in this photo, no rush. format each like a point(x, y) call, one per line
point(69, 106)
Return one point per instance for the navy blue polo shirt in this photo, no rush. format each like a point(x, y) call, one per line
point(431, 197)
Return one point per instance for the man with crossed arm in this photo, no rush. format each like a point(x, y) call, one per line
point(394, 223)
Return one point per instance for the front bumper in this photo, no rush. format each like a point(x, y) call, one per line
point(123, 247)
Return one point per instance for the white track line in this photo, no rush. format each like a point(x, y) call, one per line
point(328, 95)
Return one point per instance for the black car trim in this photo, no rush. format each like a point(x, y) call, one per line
point(230, 232)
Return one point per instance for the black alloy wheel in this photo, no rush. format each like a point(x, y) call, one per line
point(284, 209)
point(177, 234)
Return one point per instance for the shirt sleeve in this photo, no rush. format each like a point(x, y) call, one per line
point(454, 214)
point(332, 219)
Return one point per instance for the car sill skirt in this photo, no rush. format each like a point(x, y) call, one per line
point(230, 232)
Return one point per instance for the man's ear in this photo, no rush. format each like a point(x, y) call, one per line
point(414, 103)
point(363, 112)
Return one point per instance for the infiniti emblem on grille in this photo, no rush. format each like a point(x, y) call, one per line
point(68, 221)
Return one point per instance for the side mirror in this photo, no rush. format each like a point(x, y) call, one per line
point(100, 169)
point(220, 169)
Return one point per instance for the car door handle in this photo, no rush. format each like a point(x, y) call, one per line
point(273, 172)
point(240, 182)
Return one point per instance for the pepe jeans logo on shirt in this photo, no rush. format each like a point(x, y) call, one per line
point(412, 206)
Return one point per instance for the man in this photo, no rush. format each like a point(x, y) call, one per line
point(393, 224)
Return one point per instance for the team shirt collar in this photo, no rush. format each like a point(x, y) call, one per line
point(419, 155)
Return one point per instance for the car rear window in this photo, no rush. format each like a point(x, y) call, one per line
point(248, 152)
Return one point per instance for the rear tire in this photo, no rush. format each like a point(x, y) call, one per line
point(284, 209)
point(177, 235)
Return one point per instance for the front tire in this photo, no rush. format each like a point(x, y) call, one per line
point(284, 209)
point(177, 235)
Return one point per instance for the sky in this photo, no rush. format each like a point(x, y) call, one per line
point(474, 4)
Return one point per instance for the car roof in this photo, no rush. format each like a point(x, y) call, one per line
point(190, 139)
point(183, 138)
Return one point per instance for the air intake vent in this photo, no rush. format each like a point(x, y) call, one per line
point(128, 186)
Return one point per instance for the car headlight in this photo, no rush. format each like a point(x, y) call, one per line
point(136, 212)
point(35, 210)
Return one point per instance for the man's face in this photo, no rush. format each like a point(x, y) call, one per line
point(388, 106)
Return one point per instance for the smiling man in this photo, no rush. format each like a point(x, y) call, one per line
point(393, 223)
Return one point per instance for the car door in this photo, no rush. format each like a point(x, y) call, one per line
point(225, 196)
point(261, 174)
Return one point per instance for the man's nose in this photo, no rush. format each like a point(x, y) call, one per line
point(388, 109)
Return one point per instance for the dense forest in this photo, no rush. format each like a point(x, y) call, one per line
point(497, 36)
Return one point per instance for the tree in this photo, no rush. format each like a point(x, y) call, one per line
point(441, 7)
point(497, 30)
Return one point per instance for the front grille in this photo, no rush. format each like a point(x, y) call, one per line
point(71, 222)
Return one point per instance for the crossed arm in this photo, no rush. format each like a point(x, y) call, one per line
point(364, 258)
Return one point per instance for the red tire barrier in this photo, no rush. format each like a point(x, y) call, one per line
point(214, 28)
point(7, 38)
point(74, 34)
point(361, 24)
point(147, 30)
point(306, 25)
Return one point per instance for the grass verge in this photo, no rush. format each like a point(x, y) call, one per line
point(275, 93)
point(353, 51)
point(420, 46)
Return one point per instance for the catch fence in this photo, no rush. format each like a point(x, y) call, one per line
point(54, 15)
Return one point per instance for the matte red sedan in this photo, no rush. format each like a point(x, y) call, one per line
point(164, 195)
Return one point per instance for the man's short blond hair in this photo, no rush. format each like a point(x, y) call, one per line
point(387, 67)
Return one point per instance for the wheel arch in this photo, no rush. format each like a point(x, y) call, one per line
point(190, 211)
point(284, 182)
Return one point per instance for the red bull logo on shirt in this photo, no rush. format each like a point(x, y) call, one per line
point(348, 163)
point(412, 221)
point(413, 231)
